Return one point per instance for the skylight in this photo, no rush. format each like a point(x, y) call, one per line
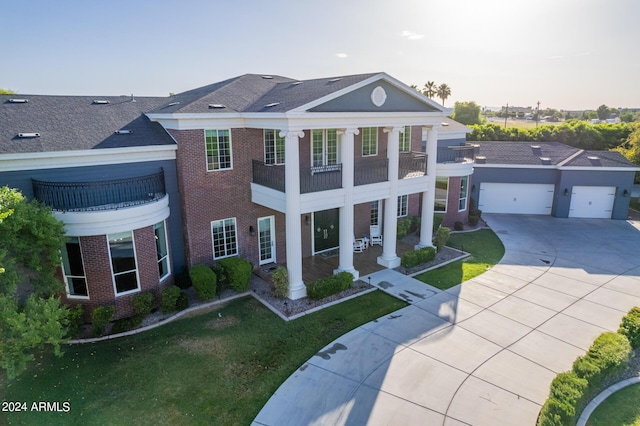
point(216, 106)
point(267, 77)
point(18, 101)
point(100, 101)
point(272, 104)
point(123, 132)
point(28, 135)
point(333, 80)
point(535, 146)
point(295, 83)
point(593, 157)
point(172, 104)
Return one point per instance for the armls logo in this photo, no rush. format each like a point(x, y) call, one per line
point(45, 406)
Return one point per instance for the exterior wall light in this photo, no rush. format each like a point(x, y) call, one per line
point(566, 192)
point(252, 231)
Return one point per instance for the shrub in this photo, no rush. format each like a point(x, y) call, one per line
point(630, 327)
point(237, 272)
point(458, 226)
point(325, 287)
point(473, 220)
point(567, 390)
point(204, 282)
point(609, 351)
point(74, 321)
point(100, 318)
point(142, 303)
point(403, 227)
point(222, 277)
point(183, 301)
point(442, 236)
point(169, 298)
point(126, 324)
point(418, 257)
point(280, 280)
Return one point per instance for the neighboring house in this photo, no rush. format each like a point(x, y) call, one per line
point(551, 178)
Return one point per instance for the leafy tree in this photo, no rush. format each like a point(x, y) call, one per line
point(627, 117)
point(429, 89)
point(443, 92)
point(29, 254)
point(603, 112)
point(631, 148)
point(6, 92)
point(467, 113)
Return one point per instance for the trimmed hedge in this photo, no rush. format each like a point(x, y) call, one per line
point(142, 303)
point(169, 298)
point(100, 318)
point(204, 282)
point(442, 236)
point(183, 301)
point(280, 280)
point(237, 272)
point(608, 353)
point(630, 327)
point(325, 287)
point(417, 257)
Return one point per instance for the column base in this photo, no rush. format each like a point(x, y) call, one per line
point(389, 263)
point(352, 271)
point(297, 291)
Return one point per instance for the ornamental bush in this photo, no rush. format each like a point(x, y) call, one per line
point(567, 390)
point(142, 303)
point(630, 327)
point(442, 236)
point(169, 298)
point(100, 318)
point(183, 302)
point(417, 257)
point(204, 281)
point(237, 272)
point(280, 280)
point(75, 321)
point(325, 287)
point(458, 226)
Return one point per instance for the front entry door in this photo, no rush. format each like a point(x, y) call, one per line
point(325, 230)
point(266, 240)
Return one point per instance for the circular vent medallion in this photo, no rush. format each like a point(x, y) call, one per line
point(378, 96)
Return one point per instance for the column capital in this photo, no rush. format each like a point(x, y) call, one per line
point(432, 127)
point(396, 129)
point(349, 131)
point(291, 133)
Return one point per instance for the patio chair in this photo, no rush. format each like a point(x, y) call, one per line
point(375, 237)
point(358, 245)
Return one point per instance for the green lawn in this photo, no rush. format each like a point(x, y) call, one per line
point(217, 368)
point(620, 409)
point(635, 204)
point(486, 250)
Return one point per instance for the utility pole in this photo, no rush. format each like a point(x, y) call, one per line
point(537, 113)
point(506, 114)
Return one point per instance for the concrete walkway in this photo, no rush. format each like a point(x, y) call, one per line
point(483, 352)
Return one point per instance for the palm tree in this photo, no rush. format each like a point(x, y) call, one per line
point(444, 92)
point(429, 89)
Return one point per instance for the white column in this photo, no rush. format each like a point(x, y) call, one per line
point(389, 258)
point(293, 230)
point(346, 212)
point(428, 197)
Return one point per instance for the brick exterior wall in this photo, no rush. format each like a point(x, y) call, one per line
point(453, 195)
point(222, 194)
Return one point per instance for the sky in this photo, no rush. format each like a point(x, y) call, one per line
point(567, 54)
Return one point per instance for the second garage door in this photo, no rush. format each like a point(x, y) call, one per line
point(521, 198)
point(592, 201)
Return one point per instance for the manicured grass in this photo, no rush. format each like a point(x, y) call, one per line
point(486, 250)
point(635, 204)
point(216, 368)
point(620, 409)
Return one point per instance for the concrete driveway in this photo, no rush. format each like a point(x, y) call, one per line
point(481, 353)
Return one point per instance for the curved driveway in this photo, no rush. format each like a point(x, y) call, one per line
point(483, 352)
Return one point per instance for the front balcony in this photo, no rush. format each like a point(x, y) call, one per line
point(367, 171)
point(100, 195)
point(456, 154)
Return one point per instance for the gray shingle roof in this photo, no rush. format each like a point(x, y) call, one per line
point(546, 154)
point(76, 123)
point(253, 92)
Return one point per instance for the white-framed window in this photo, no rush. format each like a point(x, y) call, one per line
point(462, 203)
point(73, 269)
point(225, 238)
point(403, 201)
point(442, 189)
point(124, 268)
point(369, 141)
point(162, 249)
point(218, 149)
point(324, 147)
point(273, 147)
point(375, 213)
point(405, 139)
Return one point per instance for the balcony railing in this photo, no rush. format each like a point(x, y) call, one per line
point(100, 195)
point(320, 178)
point(412, 164)
point(456, 154)
point(368, 171)
point(271, 176)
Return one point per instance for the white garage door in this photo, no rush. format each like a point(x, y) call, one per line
point(521, 198)
point(592, 201)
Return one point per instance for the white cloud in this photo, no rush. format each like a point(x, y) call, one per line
point(410, 35)
point(341, 55)
point(555, 57)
